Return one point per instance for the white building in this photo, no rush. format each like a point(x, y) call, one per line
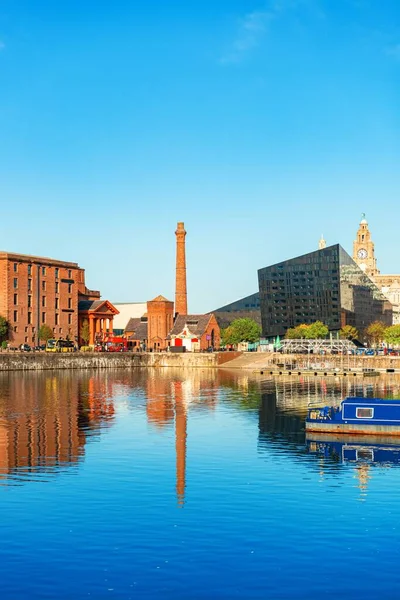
point(127, 310)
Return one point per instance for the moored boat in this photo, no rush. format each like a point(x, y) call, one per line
point(368, 416)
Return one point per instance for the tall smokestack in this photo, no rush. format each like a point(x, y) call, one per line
point(180, 286)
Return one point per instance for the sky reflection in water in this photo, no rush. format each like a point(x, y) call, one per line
point(191, 484)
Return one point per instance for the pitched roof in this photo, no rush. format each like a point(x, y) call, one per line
point(93, 305)
point(160, 299)
point(197, 324)
point(138, 329)
point(89, 304)
point(132, 325)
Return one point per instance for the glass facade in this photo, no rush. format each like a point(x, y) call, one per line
point(325, 285)
point(248, 307)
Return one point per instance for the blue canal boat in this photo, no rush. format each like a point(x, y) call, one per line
point(367, 416)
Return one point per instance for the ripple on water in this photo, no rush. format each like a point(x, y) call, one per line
point(191, 484)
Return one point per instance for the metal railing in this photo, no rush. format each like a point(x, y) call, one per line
point(316, 346)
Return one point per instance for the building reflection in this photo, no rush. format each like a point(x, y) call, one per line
point(46, 419)
point(283, 407)
point(170, 395)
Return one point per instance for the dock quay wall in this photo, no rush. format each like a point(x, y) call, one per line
point(20, 361)
point(296, 362)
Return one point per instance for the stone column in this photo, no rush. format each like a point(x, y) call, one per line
point(91, 330)
point(180, 285)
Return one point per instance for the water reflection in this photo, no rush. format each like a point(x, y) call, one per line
point(360, 451)
point(131, 448)
point(46, 419)
point(282, 412)
point(169, 395)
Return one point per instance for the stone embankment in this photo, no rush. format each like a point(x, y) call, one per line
point(20, 361)
point(257, 361)
point(276, 362)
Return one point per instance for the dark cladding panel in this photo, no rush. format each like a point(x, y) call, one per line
point(245, 308)
point(325, 285)
point(301, 290)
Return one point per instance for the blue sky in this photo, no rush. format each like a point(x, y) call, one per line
point(260, 125)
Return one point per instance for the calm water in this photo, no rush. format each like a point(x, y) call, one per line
point(196, 484)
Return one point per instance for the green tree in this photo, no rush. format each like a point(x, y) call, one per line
point(296, 333)
point(375, 332)
point(317, 330)
point(85, 332)
point(4, 327)
point(45, 332)
point(241, 330)
point(392, 335)
point(310, 332)
point(349, 333)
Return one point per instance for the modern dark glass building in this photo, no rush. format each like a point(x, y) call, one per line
point(248, 307)
point(326, 285)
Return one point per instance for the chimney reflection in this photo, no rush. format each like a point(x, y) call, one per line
point(180, 442)
point(169, 400)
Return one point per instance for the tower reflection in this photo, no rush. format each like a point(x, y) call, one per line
point(171, 395)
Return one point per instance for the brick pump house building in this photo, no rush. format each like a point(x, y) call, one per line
point(36, 291)
point(162, 328)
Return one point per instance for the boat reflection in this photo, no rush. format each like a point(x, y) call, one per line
point(355, 449)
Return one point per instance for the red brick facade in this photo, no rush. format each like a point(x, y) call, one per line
point(180, 278)
point(196, 332)
point(35, 291)
point(160, 320)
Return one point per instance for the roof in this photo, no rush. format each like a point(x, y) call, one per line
point(362, 400)
point(89, 304)
point(128, 303)
point(132, 324)
point(160, 299)
point(197, 324)
point(137, 328)
point(38, 259)
point(93, 305)
point(129, 310)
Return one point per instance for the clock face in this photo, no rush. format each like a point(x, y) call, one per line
point(362, 253)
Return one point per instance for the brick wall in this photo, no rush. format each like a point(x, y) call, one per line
point(35, 291)
point(160, 314)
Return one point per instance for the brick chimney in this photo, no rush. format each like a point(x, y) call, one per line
point(180, 285)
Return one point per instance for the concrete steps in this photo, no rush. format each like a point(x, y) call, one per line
point(248, 360)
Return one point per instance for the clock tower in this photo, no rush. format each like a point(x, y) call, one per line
point(364, 251)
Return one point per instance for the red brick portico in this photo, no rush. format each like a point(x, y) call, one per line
point(99, 314)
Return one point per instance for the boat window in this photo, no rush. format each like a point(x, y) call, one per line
point(364, 413)
point(365, 454)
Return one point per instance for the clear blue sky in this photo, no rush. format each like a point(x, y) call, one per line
point(260, 124)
